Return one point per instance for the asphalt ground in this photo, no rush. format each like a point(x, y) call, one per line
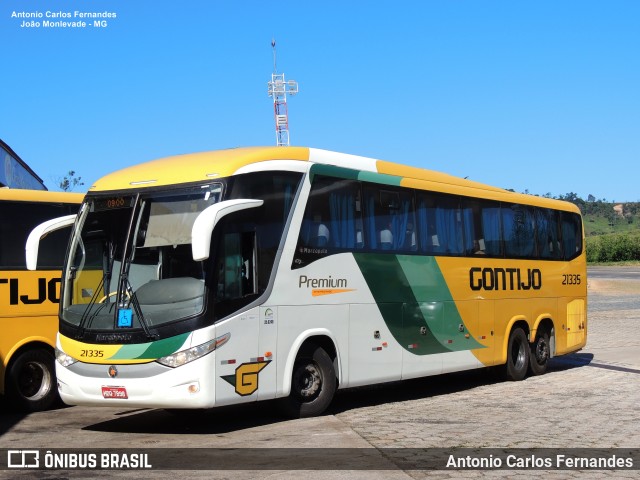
point(587, 400)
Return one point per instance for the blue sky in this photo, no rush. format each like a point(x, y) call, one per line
point(541, 95)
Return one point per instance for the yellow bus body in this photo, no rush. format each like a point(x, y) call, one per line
point(29, 300)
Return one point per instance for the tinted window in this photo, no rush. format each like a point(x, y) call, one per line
point(547, 237)
point(17, 221)
point(518, 228)
point(332, 220)
point(482, 227)
point(571, 235)
point(278, 190)
point(390, 222)
point(402, 220)
point(440, 224)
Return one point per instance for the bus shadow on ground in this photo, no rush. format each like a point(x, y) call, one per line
point(192, 422)
point(568, 362)
point(233, 418)
point(239, 417)
point(415, 389)
point(10, 417)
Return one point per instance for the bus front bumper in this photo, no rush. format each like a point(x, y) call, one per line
point(147, 385)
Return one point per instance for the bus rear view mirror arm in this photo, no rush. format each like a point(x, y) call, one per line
point(207, 220)
point(33, 241)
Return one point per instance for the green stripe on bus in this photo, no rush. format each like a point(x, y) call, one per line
point(436, 303)
point(333, 171)
point(131, 351)
point(380, 178)
point(152, 350)
point(417, 306)
point(350, 174)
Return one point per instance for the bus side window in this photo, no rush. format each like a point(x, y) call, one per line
point(446, 215)
point(519, 231)
point(571, 235)
point(389, 218)
point(16, 222)
point(547, 234)
point(237, 268)
point(332, 220)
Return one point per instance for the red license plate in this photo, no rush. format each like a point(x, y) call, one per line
point(114, 392)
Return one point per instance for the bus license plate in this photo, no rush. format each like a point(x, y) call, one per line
point(114, 392)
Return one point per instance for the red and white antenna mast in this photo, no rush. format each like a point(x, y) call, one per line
point(278, 90)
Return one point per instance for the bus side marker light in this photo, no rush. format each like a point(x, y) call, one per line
point(413, 345)
point(385, 344)
point(449, 341)
point(228, 362)
point(194, 388)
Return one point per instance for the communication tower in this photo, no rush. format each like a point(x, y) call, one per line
point(278, 90)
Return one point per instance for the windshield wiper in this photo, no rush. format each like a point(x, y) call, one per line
point(87, 319)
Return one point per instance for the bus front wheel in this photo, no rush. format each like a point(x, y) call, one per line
point(540, 354)
point(517, 355)
point(313, 384)
point(31, 381)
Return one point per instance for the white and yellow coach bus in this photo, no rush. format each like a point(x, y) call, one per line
point(286, 272)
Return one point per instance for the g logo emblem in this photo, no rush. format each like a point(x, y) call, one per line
point(247, 377)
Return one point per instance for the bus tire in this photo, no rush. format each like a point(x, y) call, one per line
point(540, 354)
point(313, 384)
point(31, 381)
point(517, 355)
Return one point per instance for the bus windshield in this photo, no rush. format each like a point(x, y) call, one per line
point(130, 263)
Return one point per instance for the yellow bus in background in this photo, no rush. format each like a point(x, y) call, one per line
point(29, 300)
point(286, 272)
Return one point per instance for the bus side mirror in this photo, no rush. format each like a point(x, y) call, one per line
point(207, 220)
point(33, 241)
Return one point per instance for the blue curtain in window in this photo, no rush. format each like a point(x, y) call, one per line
point(305, 231)
point(399, 224)
point(449, 230)
point(423, 228)
point(342, 223)
point(467, 216)
point(491, 230)
point(370, 223)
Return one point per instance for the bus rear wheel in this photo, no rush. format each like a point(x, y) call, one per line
point(540, 354)
point(517, 355)
point(31, 381)
point(313, 384)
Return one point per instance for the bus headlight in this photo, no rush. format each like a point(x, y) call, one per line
point(190, 354)
point(64, 359)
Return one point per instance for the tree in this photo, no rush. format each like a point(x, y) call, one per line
point(70, 181)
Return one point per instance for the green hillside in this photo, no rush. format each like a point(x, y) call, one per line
point(612, 229)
